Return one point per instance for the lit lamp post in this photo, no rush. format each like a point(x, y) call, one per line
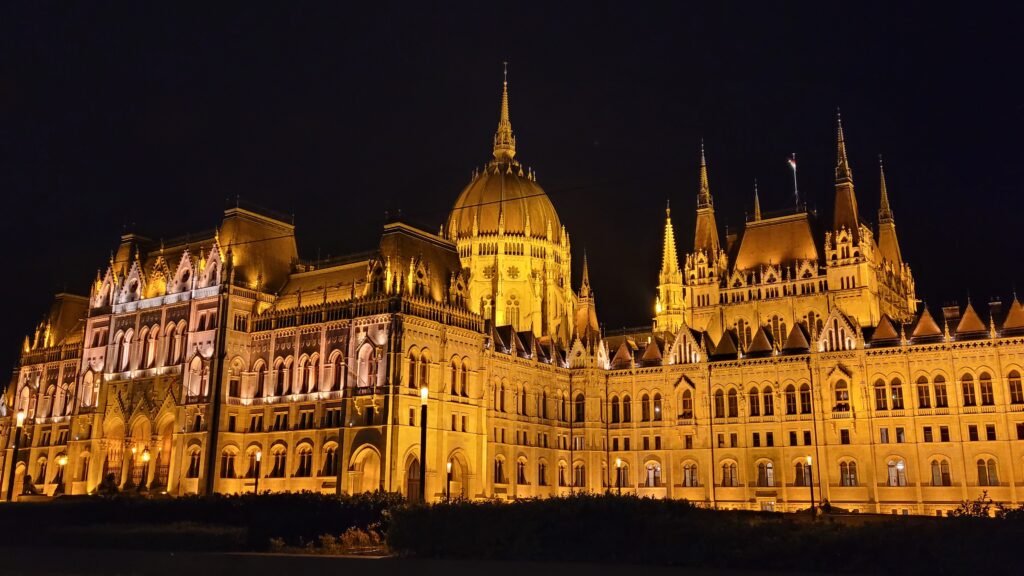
point(448, 482)
point(143, 485)
point(130, 483)
point(259, 456)
point(810, 482)
point(424, 394)
point(19, 424)
point(62, 461)
point(618, 475)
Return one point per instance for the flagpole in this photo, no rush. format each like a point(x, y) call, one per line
point(796, 192)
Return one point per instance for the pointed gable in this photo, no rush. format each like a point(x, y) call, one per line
point(926, 328)
point(798, 341)
point(689, 346)
point(885, 333)
point(838, 333)
point(1014, 322)
point(761, 344)
point(970, 323)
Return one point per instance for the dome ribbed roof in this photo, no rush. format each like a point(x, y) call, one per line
point(506, 192)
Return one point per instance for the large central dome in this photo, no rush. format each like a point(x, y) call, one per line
point(504, 188)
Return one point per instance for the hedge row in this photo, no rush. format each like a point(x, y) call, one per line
point(645, 531)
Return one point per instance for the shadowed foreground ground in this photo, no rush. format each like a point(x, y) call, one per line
point(67, 561)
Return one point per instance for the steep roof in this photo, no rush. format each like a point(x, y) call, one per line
point(926, 327)
point(970, 323)
point(1014, 321)
point(798, 340)
point(885, 333)
point(760, 344)
point(779, 240)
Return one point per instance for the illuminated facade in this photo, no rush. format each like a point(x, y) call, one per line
point(223, 362)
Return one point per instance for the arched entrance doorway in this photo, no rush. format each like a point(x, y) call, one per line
point(412, 479)
point(364, 473)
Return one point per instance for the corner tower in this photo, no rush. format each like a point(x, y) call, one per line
point(510, 239)
point(669, 306)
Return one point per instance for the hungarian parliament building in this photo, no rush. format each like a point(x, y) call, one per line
point(784, 364)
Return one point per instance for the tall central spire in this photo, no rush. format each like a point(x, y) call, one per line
point(845, 210)
point(504, 141)
point(705, 236)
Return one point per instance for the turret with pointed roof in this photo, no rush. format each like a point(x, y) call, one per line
point(888, 245)
point(586, 327)
point(845, 212)
point(757, 204)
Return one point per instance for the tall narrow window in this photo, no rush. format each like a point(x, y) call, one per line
point(754, 403)
point(881, 396)
point(768, 401)
point(941, 401)
point(985, 384)
point(897, 394)
point(719, 404)
point(1016, 392)
point(734, 409)
point(805, 399)
point(967, 384)
point(924, 396)
point(790, 399)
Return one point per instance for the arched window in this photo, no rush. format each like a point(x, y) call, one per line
point(337, 372)
point(842, 397)
point(330, 467)
point(967, 383)
point(579, 475)
point(313, 377)
point(615, 409)
point(454, 377)
point(126, 350)
point(686, 406)
point(627, 409)
point(653, 478)
point(734, 404)
point(464, 382)
point(280, 459)
point(754, 403)
point(719, 404)
point(194, 458)
point(171, 337)
point(424, 370)
point(897, 394)
point(305, 468)
point(580, 407)
point(227, 463)
point(897, 472)
point(848, 473)
point(768, 401)
point(561, 474)
point(501, 398)
point(413, 371)
point(523, 394)
point(512, 311)
point(805, 399)
point(521, 471)
point(765, 474)
point(881, 395)
point(924, 395)
point(499, 471)
point(940, 473)
point(282, 378)
point(941, 401)
point(987, 473)
point(790, 399)
point(985, 384)
point(729, 474)
point(366, 369)
point(1016, 392)
point(90, 386)
point(252, 465)
point(544, 404)
point(802, 474)
point(690, 478)
point(645, 408)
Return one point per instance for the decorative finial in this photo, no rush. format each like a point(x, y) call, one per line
point(668, 207)
point(704, 194)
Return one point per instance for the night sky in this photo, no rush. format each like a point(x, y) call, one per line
point(148, 117)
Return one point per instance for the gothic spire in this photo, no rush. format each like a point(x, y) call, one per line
point(757, 203)
point(704, 194)
point(705, 235)
point(845, 212)
point(884, 212)
point(669, 256)
point(843, 173)
point(585, 285)
point(504, 141)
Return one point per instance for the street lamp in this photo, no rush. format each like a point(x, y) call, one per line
point(62, 461)
point(19, 424)
point(618, 475)
point(259, 456)
point(130, 483)
point(448, 482)
point(424, 394)
point(145, 469)
point(810, 482)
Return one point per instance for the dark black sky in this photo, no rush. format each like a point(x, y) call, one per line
point(154, 114)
